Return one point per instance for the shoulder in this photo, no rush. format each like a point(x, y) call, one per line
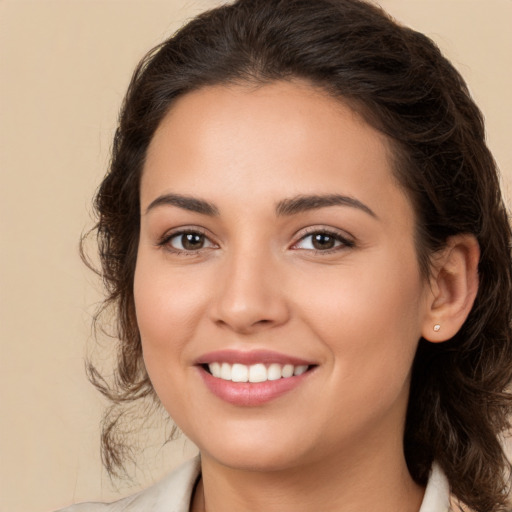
point(172, 494)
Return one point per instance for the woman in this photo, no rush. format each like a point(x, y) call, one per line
point(304, 239)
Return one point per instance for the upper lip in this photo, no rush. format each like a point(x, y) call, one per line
point(250, 357)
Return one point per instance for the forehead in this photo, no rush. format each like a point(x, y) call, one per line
point(253, 114)
point(283, 138)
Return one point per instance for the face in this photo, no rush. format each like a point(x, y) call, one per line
point(277, 288)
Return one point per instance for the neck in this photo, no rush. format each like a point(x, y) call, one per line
point(378, 478)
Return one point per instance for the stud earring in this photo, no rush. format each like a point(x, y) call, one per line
point(437, 327)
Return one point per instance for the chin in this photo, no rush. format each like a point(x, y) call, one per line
point(260, 450)
point(254, 459)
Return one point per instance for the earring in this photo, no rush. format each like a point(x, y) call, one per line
point(437, 327)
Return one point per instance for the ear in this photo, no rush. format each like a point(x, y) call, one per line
point(453, 288)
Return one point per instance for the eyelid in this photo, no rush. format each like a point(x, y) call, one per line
point(163, 241)
point(346, 240)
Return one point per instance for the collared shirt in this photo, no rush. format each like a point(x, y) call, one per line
point(173, 494)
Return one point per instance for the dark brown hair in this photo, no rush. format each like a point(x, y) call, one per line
point(400, 83)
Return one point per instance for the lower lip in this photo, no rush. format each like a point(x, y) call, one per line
point(250, 394)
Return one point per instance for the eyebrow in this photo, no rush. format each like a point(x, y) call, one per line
point(286, 207)
point(192, 204)
point(304, 203)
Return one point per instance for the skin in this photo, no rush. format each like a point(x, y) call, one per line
point(357, 311)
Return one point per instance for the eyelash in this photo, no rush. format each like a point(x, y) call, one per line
point(344, 242)
point(165, 242)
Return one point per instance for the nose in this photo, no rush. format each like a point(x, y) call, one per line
point(250, 295)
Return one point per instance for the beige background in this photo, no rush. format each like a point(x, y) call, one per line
point(64, 66)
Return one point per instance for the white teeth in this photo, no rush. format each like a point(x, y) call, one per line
point(239, 373)
point(299, 370)
point(274, 371)
point(225, 371)
point(287, 371)
point(256, 372)
point(215, 369)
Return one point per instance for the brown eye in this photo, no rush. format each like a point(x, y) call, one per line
point(322, 241)
point(192, 241)
point(188, 241)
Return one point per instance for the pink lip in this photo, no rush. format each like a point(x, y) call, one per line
point(249, 394)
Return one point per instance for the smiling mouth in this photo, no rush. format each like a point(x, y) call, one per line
point(254, 373)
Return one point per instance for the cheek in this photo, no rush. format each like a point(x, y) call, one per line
point(370, 319)
point(167, 310)
point(165, 322)
point(165, 303)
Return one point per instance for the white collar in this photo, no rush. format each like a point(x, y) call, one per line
point(437, 493)
point(180, 485)
point(174, 493)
